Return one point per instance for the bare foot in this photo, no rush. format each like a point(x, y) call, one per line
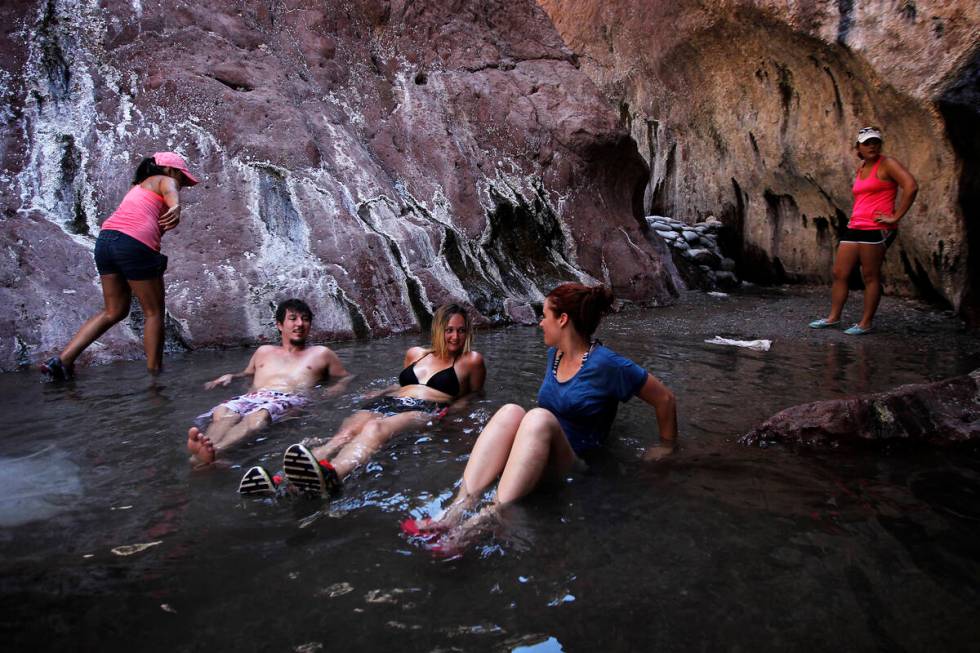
point(200, 446)
point(454, 542)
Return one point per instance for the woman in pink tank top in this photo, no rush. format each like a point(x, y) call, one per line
point(127, 255)
point(871, 229)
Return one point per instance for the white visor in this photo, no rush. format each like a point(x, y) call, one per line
point(867, 134)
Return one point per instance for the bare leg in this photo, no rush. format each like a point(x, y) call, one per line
point(150, 293)
point(116, 295)
point(486, 463)
point(347, 431)
point(539, 448)
point(374, 434)
point(492, 448)
point(222, 420)
point(848, 255)
point(872, 257)
point(248, 425)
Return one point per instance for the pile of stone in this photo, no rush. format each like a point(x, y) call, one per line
point(696, 253)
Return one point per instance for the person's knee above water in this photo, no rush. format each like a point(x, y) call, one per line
point(433, 380)
point(129, 262)
point(583, 384)
point(872, 228)
point(280, 376)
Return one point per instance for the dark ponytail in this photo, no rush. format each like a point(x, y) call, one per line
point(147, 168)
point(584, 305)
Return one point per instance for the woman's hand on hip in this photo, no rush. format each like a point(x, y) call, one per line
point(884, 218)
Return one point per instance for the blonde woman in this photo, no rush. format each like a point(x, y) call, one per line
point(432, 379)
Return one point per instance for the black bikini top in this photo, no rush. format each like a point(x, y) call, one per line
point(444, 380)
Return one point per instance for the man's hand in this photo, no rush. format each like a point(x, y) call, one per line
point(222, 380)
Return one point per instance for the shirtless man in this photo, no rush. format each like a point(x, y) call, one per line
point(280, 373)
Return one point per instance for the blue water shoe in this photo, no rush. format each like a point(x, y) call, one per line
point(822, 323)
point(858, 330)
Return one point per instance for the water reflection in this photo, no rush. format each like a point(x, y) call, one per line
point(720, 547)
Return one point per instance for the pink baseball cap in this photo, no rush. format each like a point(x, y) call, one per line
point(174, 160)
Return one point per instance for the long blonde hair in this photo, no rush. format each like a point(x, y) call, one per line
point(440, 319)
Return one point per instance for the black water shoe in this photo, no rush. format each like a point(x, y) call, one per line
point(57, 369)
point(307, 473)
point(257, 481)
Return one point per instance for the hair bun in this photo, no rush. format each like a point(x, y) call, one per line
point(601, 298)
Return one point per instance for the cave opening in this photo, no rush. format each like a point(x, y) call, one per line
point(960, 108)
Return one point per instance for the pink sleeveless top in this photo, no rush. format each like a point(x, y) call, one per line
point(872, 195)
point(137, 216)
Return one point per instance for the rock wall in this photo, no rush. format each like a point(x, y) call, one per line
point(747, 110)
point(377, 158)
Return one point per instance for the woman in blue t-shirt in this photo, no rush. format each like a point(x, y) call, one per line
point(583, 385)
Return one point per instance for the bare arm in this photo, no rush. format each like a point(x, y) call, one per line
point(475, 376)
point(382, 391)
point(662, 399)
point(169, 190)
point(335, 369)
point(897, 172)
point(476, 372)
point(225, 379)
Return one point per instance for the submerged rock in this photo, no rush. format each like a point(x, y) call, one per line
point(942, 413)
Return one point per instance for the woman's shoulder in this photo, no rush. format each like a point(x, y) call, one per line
point(414, 353)
point(890, 163)
point(607, 355)
point(472, 358)
point(157, 184)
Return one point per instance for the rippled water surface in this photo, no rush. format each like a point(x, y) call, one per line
point(722, 547)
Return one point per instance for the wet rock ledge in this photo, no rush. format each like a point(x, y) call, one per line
point(942, 413)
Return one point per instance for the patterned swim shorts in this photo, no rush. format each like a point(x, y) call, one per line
point(277, 404)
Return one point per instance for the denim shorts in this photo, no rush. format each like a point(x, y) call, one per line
point(117, 253)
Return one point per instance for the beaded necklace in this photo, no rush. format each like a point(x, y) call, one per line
point(592, 345)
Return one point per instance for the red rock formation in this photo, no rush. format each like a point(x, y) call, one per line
point(747, 109)
point(943, 413)
point(377, 158)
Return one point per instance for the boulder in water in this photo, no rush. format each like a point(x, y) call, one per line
point(942, 413)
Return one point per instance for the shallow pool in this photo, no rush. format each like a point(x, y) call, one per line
point(722, 547)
